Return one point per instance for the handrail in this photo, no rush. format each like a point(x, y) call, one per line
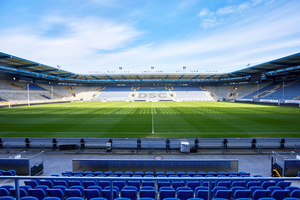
point(111, 179)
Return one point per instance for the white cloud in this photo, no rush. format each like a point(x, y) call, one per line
point(211, 19)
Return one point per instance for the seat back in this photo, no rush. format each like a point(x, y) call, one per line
point(38, 193)
point(92, 193)
point(147, 193)
point(257, 194)
point(279, 194)
point(225, 194)
point(166, 194)
point(185, 194)
point(56, 193)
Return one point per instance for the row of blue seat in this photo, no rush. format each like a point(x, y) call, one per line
point(156, 174)
point(139, 183)
point(42, 191)
point(8, 173)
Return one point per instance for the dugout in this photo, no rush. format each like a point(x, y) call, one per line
point(227, 165)
point(285, 166)
point(24, 164)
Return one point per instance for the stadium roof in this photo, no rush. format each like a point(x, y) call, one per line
point(21, 67)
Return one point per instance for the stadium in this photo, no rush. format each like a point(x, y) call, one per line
point(151, 135)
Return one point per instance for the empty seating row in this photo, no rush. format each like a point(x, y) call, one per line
point(193, 184)
point(133, 193)
point(8, 173)
point(156, 174)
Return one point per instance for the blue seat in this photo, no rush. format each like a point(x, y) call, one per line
point(266, 198)
point(171, 198)
point(292, 188)
point(235, 188)
point(61, 187)
point(129, 193)
point(166, 194)
point(92, 193)
point(8, 187)
point(99, 198)
point(113, 187)
point(135, 183)
point(139, 173)
point(291, 198)
point(31, 183)
point(23, 192)
point(193, 184)
point(176, 184)
point(75, 198)
point(4, 192)
point(47, 182)
point(225, 194)
point(29, 198)
point(86, 184)
point(119, 184)
point(73, 193)
point(56, 193)
point(266, 184)
point(160, 173)
point(252, 183)
point(295, 194)
point(38, 193)
point(180, 173)
point(43, 187)
point(103, 183)
point(61, 182)
point(149, 173)
point(272, 188)
point(96, 187)
point(106, 194)
point(25, 187)
point(241, 194)
point(147, 188)
point(163, 183)
point(130, 173)
point(216, 189)
point(146, 198)
point(81, 188)
point(166, 188)
point(6, 198)
point(149, 193)
point(75, 183)
point(257, 194)
point(148, 183)
point(191, 173)
point(52, 198)
point(254, 188)
point(182, 188)
point(223, 183)
point(170, 173)
point(185, 194)
point(118, 173)
point(203, 194)
point(283, 184)
point(237, 183)
point(279, 194)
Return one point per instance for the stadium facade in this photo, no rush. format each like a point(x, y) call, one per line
point(274, 81)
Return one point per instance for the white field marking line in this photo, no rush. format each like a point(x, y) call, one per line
point(152, 119)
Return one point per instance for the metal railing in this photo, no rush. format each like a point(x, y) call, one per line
point(210, 180)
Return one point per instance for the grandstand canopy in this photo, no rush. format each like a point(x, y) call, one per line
point(19, 67)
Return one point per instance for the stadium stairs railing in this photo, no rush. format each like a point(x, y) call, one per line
point(210, 180)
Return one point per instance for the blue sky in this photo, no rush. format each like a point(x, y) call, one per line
point(97, 36)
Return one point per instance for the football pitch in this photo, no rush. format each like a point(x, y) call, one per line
point(150, 120)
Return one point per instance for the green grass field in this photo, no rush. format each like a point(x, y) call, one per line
point(153, 120)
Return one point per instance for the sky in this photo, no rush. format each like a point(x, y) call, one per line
point(149, 36)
